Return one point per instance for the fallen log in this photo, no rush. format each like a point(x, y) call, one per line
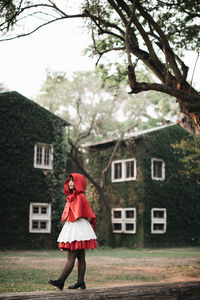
point(161, 291)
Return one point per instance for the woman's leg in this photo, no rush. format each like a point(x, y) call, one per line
point(71, 256)
point(81, 271)
point(81, 265)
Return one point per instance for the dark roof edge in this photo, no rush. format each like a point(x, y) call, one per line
point(135, 135)
point(65, 123)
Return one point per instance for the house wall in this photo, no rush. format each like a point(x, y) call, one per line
point(176, 194)
point(119, 194)
point(23, 124)
point(128, 194)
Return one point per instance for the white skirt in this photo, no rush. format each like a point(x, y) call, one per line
point(80, 230)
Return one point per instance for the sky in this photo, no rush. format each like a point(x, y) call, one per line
point(59, 47)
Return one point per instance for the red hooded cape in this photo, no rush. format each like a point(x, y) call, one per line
point(76, 201)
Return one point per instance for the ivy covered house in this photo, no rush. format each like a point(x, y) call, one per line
point(33, 168)
point(151, 204)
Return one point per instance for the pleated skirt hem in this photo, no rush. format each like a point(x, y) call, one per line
point(75, 245)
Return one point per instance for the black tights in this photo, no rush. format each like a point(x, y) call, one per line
point(71, 257)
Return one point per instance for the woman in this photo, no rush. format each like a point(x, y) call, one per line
point(77, 233)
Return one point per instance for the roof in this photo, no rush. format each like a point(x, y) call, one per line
point(136, 134)
point(17, 95)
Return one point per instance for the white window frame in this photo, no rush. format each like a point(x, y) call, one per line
point(123, 164)
point(123, 220)
point(40, 217)
point(162, 221)
point(163, 169)
point(43, 165)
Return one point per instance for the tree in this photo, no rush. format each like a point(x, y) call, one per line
point(3, 88)
point(152, 32)
point(82, 101)
point(52, 95)
point(188, 152)
point(101, 110)
point(93, 108)
point(92, 111)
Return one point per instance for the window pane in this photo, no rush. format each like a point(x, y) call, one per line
point(158, 227)
point(43, 210)
point(117, 170)
point(129, 214)
point(129, 227)
point(35, 224)
point(43, 225)
point(117, 214)
point(46, 155)
point(129, 169)
point(35, 210)
point(158, 214)
point(157, 169)
point(117, 226)
point(39, 155)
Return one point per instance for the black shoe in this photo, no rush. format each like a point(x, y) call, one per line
point(57, 283)
point(78, 285)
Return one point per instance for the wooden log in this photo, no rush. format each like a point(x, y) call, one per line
point(161, 291)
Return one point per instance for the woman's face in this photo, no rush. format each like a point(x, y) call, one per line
point(71, 184)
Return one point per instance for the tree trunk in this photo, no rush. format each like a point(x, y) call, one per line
point(109, 233)
point(76, 158)
point(192, 113)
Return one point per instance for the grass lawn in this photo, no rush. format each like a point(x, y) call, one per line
point(22, 271)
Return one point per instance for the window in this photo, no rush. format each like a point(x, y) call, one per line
point(124, 220)
point(158, 220)
point(123, 170)
point(118, 170)
point(40, 218)
point(43, 156)
point(157, 169)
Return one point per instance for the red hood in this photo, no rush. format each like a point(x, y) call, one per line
point(80, 183)
point(77, 201)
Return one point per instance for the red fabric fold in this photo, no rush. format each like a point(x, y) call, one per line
point(75, 245)
point(77, 202)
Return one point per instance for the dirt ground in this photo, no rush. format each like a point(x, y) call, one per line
point(111, 271)
point(151, 270)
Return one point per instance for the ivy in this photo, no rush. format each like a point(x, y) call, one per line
point(178, 194)
point(24, 123)
point(188, 152)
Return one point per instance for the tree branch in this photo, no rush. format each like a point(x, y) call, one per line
point(74, 157)
point(21, 10)
point(116, 8)
point(57, 9)
point(101, 53)
point(194, 67)
point(169, 54)
point(37, 28)
point(106, 169)
point(83, 135)
point(105, 23)
point(175, 5)
point(178, 93)
point(128, 26)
